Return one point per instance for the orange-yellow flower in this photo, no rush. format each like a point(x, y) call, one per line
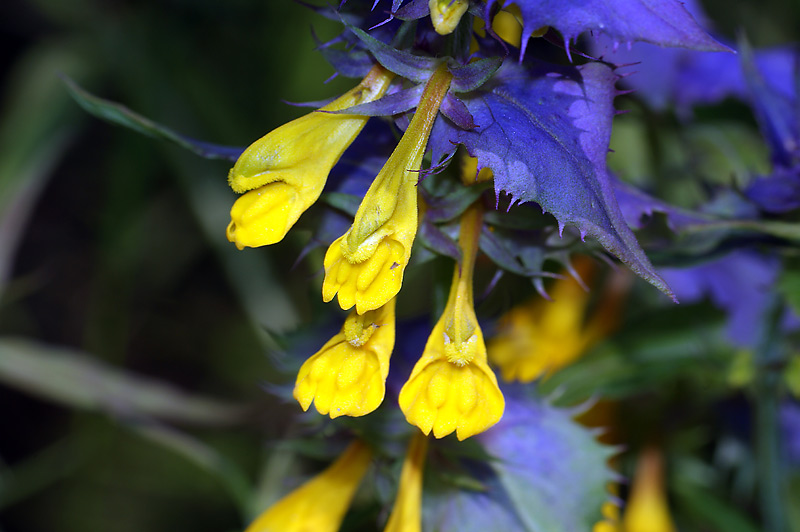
point(540, 337)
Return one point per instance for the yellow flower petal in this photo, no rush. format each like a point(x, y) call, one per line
point(264, 215)
point(507, 24)
point(452, 388)
point(443, 397)
point(299, 156)
point(320, 504)
point(446, 14)
point(369, 284)
point(470, 174)
point(406, 514)
point(365, 265)
point(605, 526)
point(347, 377)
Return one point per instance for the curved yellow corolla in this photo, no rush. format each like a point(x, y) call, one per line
point(283, 173)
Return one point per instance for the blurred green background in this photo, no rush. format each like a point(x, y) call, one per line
point(133, 336)
point(112, 246)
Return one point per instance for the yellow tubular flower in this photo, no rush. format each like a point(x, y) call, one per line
point(647, 509)
point(539, 338)
point(283, 173)
point(347, 377)
point(319, 505)
point(446, 14)
point(406, 514)
point(365, 265)
point(452, 388)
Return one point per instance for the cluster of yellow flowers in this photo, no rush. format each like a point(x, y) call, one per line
point(452, 387)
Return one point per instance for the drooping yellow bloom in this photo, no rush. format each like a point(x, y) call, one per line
point(365, 265)
point(283, 173)
point(446, 14)
point(647, 509)
point(347, 377)
point(541, 337)
point(406, 514)
point(320, 504)
point(452, 388)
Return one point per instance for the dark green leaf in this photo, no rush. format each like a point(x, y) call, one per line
point(119, 114)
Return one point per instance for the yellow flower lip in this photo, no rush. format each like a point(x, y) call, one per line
point(446, 14)
point(365, 266)
point(370, 283)
point(452, 388)
point(283, 173)
point(262, 216)
point(347, 377)
point(443, 398)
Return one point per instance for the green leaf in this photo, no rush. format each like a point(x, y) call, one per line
point(35, 132)
point(78, 381)
point(202, 455)
point(712, 511)
point(42, 469)
point(263, 295)
point(725, 150)
point(786, 230)
point(119, 114)
point(789, 285)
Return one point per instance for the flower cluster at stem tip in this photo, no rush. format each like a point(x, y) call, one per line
point(452, 388)
point(493, 108)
